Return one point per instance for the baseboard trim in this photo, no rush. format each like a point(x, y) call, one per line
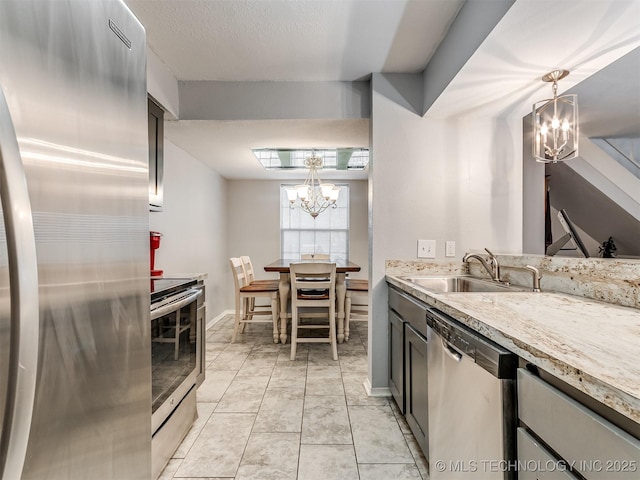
point(215, 320)
point(376, 392)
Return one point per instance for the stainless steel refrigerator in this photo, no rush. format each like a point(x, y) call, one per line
point(75, 374)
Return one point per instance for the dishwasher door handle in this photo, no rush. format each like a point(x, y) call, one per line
point(451, 351)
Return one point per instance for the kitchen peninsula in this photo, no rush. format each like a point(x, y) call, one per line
point(577, 389)
point(592, 345)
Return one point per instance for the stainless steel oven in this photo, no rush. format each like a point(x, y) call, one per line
point(177, 362)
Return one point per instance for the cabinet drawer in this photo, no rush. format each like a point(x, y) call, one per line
point(409, 309)
point(536, 463)
point(595, 447)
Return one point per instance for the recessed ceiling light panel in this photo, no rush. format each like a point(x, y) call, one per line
point(350, 159)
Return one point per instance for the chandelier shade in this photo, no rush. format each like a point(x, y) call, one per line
point(313, 196)
point(555, 124)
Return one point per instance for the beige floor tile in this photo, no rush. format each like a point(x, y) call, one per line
point(215, 385)
point(238, 348)
point(221, 336)
point(327, 462)
point(202, 478)
point(291, 375)
point(321, 355)
point(325, 420)
point(352, 347)
point(302, 354)
point(270, 456)
point(212, 351)
point(269, 348)
point(404, 426)
point(377, 436)
point(355, 392)
point(229, 360)
point(418, 455)
point(388, 471)
point(352, 363)
point(310, 405)
point(243, 395)
point(257, 364)
point(216, 452)
point(170, 469)
point(325, 386)
point(324, 371)
point(204, 412)
point(324, 380)
point(248, 339)
point(280, 411)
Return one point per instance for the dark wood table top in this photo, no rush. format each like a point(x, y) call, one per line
point(282, 265)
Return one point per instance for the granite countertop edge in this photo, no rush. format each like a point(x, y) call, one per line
point(621, 391)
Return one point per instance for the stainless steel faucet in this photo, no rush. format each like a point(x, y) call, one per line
point(494, 266)
point(493, 269)
point(536, 277)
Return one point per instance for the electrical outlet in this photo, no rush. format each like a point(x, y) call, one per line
point(449, 248)
point(426, 249)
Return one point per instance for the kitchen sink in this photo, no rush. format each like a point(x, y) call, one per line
point(459, 284)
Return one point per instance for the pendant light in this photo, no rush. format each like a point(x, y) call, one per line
point(555, 124)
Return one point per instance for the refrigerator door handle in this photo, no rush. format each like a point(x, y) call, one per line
point(23, 281)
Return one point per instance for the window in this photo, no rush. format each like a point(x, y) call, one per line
point(328, 233)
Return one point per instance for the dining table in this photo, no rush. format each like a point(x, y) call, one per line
point(281, 266)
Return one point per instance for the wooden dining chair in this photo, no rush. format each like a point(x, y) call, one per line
point(251, 280)
point(250, 272)
point(313, 286)
point(245, 295)
point(356, 302)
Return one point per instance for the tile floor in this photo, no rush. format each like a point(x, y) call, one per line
point(264, 417)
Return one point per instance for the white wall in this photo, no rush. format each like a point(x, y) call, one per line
point(440, 179)
point(193, 224)
point(253, 226)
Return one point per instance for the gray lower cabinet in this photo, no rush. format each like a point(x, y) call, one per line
point(593, 447)
point(416, 393)
point(396, 358)
point(537, 463)
point(408, 362)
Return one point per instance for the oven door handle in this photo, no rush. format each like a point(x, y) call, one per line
point(173, 307)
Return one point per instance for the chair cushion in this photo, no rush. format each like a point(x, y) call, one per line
point(260, 288)
point(269, 283)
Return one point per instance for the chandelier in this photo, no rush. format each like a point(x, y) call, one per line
point(315, 197)
point(555, 124)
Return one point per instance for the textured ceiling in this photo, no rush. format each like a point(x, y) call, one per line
point(295, 40)
point(345, 40)
point(285, 40)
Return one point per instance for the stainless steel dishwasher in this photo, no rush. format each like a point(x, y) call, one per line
point(472, 395)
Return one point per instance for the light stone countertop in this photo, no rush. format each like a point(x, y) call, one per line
point(591, 345)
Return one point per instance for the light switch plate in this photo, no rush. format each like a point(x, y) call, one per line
point(426, 249)
point(449, 248)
